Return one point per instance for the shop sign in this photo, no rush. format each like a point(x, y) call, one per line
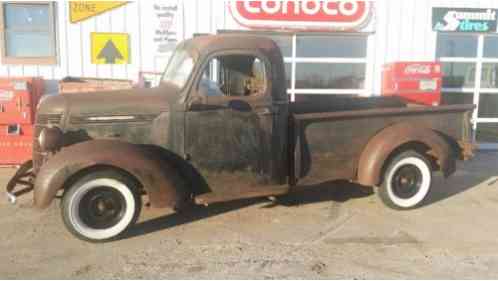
point(110, 48)
point(464, 20)
point(82, 10)
point(302, 15)
point(165, 25)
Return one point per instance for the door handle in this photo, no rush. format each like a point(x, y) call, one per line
point(265, 111)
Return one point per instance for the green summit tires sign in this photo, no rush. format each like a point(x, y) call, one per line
point(464, 20)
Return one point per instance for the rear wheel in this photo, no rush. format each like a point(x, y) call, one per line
point(407, 181)
point(101, 206)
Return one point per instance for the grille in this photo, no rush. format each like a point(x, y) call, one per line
point(49, 119)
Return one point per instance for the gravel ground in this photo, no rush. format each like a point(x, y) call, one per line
point(336, 231)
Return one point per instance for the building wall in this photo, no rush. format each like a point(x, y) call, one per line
point(403, 31)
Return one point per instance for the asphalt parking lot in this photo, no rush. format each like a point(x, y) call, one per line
point(337, 230)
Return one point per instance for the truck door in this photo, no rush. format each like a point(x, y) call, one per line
point(229, 123)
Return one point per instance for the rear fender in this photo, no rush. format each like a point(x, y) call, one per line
point(380, 148)
point(158, 178)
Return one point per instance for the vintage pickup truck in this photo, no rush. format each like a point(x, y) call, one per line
point(221, 127)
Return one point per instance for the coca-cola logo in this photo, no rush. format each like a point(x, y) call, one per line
point(6, 96)
point(307, 15)
point(418, 69)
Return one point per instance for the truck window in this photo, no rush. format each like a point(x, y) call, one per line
point(179, 68)
point(234, 76)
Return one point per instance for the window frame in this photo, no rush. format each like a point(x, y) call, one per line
point(294, 60)
point(477, 90)
point(221, 99)
point(46, 60)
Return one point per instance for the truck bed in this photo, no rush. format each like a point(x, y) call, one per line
point(329, 141)
point(322, 103)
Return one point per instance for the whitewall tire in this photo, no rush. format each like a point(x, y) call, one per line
point(407, 181)
point(101, 206)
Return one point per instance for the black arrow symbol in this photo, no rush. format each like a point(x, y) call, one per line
point(110, 53)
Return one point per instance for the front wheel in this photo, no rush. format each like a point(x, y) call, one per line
point(407, 181)
point(101, 206)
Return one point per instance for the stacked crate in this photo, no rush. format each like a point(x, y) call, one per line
point(70, 85)
point(19, 98)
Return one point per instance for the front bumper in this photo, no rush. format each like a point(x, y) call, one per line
point(21, 183)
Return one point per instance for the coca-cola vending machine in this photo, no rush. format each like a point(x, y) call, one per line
point(415, 82)
point(18, 100)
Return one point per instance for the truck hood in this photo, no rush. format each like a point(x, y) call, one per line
point(123, 102)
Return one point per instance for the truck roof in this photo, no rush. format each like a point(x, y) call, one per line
point(205, 45)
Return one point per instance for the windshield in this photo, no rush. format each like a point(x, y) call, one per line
point(179, 68)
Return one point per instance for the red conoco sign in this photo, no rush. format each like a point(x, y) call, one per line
point(302, 15)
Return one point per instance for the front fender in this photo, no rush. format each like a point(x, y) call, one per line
point(382, 145)
point(159, 179)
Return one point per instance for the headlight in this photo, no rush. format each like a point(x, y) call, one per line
point(50, 139)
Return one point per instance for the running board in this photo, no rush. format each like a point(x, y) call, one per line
point(211, 198)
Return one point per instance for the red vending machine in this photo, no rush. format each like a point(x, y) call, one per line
point(415, 82)
point(18, 100)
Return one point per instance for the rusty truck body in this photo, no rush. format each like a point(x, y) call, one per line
point(221, 127)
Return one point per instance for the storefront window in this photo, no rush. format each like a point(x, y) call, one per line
point(489, 75)
point(331, 46)
point(462, 46)
point(490, 47)
point(450, 98)
point(488, 105)
point(29, 35)
point(288, 75)
point(330, 76)
point(487, 133)
point(459, 75)
point(334, 64)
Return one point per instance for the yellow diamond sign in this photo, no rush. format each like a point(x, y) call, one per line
point(82, 10)
point(110, 48)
